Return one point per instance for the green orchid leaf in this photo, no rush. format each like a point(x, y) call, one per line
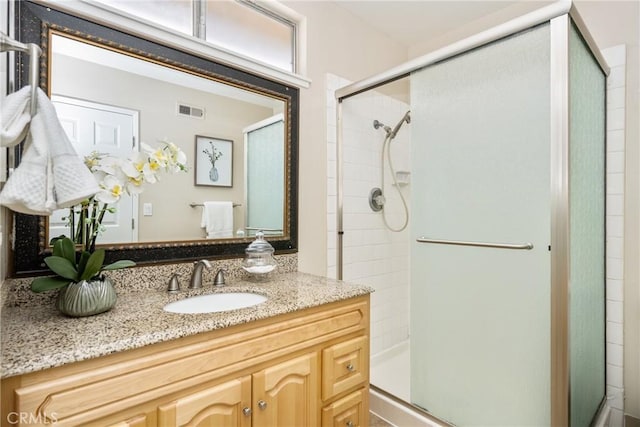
point(82, 263)
point(94, 265)
point(62, 267)
point(42, 284)
point(123, 263)
point(65, 248)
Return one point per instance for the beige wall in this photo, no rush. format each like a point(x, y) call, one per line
point(156, 101)
point(341, 44)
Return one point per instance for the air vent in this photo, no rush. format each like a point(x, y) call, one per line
point(190, 111)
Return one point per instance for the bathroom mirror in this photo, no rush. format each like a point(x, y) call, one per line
point(97, 77)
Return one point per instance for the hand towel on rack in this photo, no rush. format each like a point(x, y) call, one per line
point(15, 117)
point(28, 189)
point(217, 219)
point(50, 175)
point(73, 182)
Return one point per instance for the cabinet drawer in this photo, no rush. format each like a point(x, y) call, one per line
point(350, 411)
point(345, 365)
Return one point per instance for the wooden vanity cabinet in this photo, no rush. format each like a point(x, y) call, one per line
point(308, 368)
point(283, 395)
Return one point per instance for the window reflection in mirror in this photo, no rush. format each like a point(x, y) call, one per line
point(109, 101)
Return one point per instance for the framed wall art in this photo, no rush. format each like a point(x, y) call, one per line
point(213, 162)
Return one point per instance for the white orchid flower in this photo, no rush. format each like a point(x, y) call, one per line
point(111, 189)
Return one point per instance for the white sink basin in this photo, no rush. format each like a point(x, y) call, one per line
point(214, 303)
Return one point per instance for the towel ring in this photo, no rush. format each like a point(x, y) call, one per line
point(33, 50)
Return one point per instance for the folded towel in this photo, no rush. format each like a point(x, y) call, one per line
point(50, 175)
point(217, 219)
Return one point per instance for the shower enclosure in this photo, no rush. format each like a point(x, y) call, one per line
point(489, 306)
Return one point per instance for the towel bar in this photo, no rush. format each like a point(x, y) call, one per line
point(526, 246)
point(194, 204)
point(34, 51)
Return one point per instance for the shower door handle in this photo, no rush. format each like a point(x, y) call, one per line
point(525, 246)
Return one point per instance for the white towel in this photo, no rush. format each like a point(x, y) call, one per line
point(50, 175)
point(217, 219)
point(15, 117)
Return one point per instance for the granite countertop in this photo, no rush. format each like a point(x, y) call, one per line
point(36, 336)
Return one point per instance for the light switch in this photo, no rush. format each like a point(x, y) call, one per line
point(147, 209)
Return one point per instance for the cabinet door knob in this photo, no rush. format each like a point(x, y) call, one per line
point(246, 411)
point(262, 404)
point(349, 423)
point(350, 367)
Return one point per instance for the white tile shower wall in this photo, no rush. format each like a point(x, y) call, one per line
point(372, 254)
point(616, 58)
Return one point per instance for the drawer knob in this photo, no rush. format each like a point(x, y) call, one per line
point(262, 404)
point(246, 411)
point(349, 423)
point(350, 367)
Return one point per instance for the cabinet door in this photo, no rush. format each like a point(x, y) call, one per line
point(225, 405)
point(286, 394)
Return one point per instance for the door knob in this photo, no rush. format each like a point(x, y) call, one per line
point(246, 411)
point(262, 404)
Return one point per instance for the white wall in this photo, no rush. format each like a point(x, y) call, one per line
point(372, 254)
point(616, 58)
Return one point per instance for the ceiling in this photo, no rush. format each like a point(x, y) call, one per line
point(410, 22)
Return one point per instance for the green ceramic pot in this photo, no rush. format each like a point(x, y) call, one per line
point(87, 297)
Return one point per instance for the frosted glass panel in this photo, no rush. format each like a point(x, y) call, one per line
point(243, 28)
point(480, 316)
point(587, 198)
point(174, 14)
point(265, 179)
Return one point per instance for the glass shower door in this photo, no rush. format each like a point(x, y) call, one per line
point(587, 230)
point(265, 181)
point(480, 327)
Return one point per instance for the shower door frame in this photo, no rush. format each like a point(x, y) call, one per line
point(560, 16)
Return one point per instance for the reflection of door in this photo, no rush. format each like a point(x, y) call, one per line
point(105, 129)
point(264, 166)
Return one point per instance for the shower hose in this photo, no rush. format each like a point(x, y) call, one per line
point(386, 148)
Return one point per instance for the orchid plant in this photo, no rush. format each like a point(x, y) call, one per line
point(116, 176)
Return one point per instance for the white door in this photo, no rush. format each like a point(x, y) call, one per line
point(105, 129)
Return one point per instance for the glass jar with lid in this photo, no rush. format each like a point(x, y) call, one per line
point(258, 260)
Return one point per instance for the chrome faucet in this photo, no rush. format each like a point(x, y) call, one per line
point(196, 274)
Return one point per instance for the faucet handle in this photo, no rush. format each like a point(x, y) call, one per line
point(219, 279)
point(174, 285)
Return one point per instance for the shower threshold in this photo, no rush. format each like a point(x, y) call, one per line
point(398, 412)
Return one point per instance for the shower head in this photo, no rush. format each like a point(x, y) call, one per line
point(405, 118)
